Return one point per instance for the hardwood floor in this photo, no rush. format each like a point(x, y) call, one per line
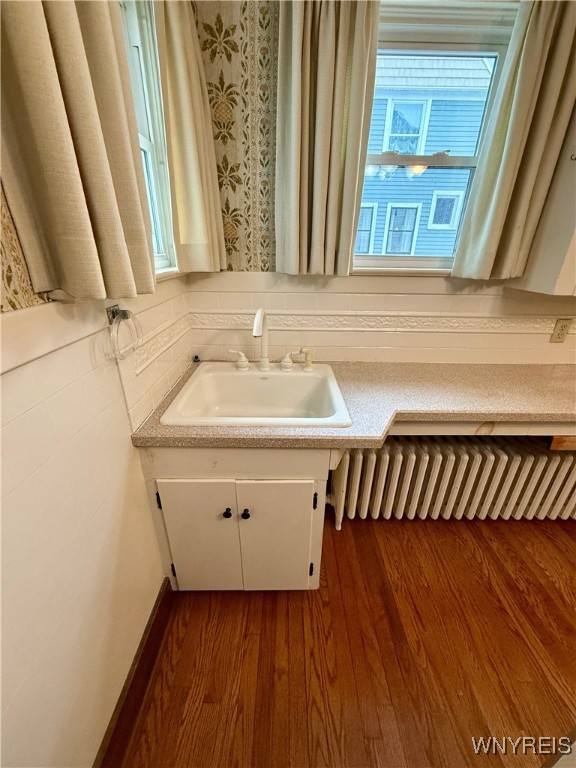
point(422, 635)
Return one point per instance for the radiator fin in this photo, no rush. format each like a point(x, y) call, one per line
point(456, 477)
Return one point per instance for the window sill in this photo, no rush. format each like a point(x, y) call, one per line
point(406, 272)
point(370, 264)
point(166, 274)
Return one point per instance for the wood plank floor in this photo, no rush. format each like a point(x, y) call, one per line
point(422, 635)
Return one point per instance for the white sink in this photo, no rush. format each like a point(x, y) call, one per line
point(219, 394)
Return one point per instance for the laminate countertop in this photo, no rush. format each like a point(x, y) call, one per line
point(377, 394)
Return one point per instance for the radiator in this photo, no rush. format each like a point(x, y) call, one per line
point(455, 477)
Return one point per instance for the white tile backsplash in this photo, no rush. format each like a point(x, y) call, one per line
point(266, 301)
point(233, 300)
point(141, 410)
point(334, 302)
point(410, 302)
point(180, 305)
point(155, 318)
point(140, 385)
point(200, 301)
point(296, 301)
point(228, 339)
point(146, 384)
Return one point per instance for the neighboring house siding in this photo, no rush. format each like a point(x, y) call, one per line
point(377, 125)
point(418, 189)
point(445, 131)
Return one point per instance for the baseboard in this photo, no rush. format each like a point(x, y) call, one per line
point(123, 720)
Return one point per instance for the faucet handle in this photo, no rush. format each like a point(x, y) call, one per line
point(307, 359)
point(287, 362)
point(242, 362)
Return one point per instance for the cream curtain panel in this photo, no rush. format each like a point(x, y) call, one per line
point(196, 214)
point(522, 143)
point(71, 162)
point(326, 69)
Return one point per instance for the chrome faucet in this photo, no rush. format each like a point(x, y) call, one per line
point(261, 329)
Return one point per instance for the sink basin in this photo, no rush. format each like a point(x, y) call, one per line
point(217, 394)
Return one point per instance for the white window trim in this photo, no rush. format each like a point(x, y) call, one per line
point(389, 208)
point(139, 28)
point(459, 195)
point(423, 128)
point(467, 21)
point(374, 207)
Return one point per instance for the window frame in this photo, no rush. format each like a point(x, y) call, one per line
point(139, 31)
point(413, 27)
point(372, 235)
point(456, 211)
point(427, 103)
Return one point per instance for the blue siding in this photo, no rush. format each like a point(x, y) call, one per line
point(453, 125)
point(377, 126)
point(458, 134)
point(398, 188)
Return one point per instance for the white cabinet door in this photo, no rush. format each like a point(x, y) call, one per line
point(205, 544)
point(275, 538)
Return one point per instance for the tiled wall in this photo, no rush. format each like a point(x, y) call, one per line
point(374, 318)
point(149, 373)
point(80, 566)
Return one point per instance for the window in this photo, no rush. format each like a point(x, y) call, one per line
point(406, 123)
point(366, 228)
point(401, 226)
point(140, 39)
point(433, 91)
point(445, 209)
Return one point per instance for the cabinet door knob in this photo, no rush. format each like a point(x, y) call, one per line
point(227, 512)
point(245, 515)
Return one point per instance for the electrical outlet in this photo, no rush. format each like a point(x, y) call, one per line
point(560, 331)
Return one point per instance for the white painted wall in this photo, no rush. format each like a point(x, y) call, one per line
point(80, 562)
point(378, 318)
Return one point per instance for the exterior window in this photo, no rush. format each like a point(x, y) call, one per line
point(406, 123)
point(138, 23)
point(366, 228)
point(436, 73)
point(445, 210)
point(401, 225)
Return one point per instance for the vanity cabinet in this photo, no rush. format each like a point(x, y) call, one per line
point(245, 534)
point(245, 518)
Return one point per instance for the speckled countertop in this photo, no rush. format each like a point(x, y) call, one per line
point(379, 393)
